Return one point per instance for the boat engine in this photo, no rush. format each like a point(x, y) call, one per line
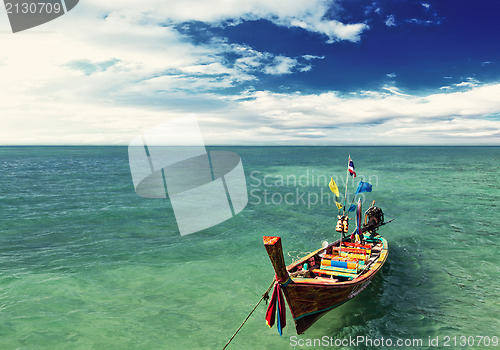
point(374, 218)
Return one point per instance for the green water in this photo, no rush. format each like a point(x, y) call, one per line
point(87, 264)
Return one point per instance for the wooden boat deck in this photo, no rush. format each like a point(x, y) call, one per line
point(376, 260)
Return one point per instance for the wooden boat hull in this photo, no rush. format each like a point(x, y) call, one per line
point(309, 301)
point(310, 298)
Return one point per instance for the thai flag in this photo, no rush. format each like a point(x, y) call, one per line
point(351, 167)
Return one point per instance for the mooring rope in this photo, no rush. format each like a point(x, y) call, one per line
point(298, 256)
point(264, 296)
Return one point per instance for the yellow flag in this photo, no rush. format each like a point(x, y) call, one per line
point(338, 205)
point(334, 188)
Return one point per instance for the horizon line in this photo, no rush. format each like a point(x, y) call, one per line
point(259, 145)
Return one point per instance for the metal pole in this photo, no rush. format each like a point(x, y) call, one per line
point(343, 211)
point(346, 181)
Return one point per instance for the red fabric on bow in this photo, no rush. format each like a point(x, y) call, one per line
point(277, 302)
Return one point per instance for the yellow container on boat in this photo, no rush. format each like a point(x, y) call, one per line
point(363, 257)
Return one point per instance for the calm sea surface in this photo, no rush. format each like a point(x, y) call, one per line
point(85, 263)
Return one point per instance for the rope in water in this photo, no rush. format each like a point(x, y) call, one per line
point(264, 296)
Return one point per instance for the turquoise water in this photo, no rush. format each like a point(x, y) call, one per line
point(87, 264)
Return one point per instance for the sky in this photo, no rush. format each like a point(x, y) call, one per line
point(256, 72)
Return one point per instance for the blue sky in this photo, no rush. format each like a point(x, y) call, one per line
point(290, 72)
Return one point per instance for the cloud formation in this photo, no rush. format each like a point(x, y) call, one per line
point(393, 115)
point(390, 21)
point(111, 69)
point(310, 15)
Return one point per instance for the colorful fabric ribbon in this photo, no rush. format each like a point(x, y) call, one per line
point(277, 302)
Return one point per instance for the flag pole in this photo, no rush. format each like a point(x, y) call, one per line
point(346, 181)
point(343, 209)
point(355, 194)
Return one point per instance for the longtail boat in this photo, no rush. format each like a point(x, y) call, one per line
point(329, 276)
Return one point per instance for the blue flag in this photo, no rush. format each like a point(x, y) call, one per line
point(363, 187)
point(352, 208)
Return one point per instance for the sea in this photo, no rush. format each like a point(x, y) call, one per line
point(86, 263)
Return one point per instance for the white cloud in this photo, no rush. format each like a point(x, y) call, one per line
point(309, 15)
point(394, 90)
point(334, 30)
point(99, 75)
point(420, 21)
point(390, 21)
point(380, 117)
point(311, 57)
point(139, 36)
point(262, 117)
point(468, 83)
point(281, 65)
